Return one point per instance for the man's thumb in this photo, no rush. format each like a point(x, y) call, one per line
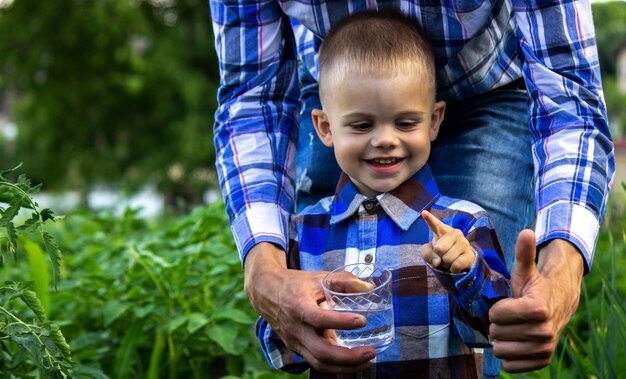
point(525, 253)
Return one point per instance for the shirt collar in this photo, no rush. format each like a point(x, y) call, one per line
point(403, 204)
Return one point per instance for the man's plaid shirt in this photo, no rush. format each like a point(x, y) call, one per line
point(439, 317)
point(479, 45)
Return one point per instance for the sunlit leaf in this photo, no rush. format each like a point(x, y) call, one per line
point(113, 310)
point(219, 269)
point(10, 212)
point(196, 321)
point(232, 314)
point(35, 189)
point(154, 258)
point(31, 299)
point(23, 183)
point(175, 323)
point(143, 311)
point(224, 336)
point(39, 271)
point(30, 224)
point(55, 255)
point(29, 342)
point(59, 340)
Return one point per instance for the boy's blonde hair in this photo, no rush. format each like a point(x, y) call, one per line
point(373, 43)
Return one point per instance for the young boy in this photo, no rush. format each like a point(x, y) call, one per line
point(377, 87)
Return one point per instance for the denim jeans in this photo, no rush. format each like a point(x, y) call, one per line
point(482, 154)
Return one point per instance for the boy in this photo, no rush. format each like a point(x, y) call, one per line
point(377, 86)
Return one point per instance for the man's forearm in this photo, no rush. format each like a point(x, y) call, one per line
point(562, 263)
point(264, 258)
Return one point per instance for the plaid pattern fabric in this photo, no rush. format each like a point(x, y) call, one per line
point(439, 317)
point(479, 45)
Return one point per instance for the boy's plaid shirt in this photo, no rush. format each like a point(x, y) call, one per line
point(439, 316)
point(479, 45)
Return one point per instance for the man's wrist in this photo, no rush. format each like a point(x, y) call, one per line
point(262, 258)
point(562, 264)
point(558, 254)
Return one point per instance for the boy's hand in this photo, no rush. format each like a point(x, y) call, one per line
point(449, 250)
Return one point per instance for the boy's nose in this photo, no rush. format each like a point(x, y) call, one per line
point(385, 136)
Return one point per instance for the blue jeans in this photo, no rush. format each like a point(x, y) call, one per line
point(482, 154)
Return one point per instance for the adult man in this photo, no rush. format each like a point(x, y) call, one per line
point(482, 50)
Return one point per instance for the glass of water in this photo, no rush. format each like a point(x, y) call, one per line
point(365, 289)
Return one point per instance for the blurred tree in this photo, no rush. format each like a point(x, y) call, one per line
point(610, 22)
point(609, 19)
point(116, 91)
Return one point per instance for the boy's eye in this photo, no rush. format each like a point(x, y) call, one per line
point(407, 124)
point(361, 125)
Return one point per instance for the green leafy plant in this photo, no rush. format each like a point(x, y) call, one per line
point(135, 298)
point(156, 298)
point(27, 337)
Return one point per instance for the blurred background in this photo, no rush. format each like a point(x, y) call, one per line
point(109, 104)
point(111, 97)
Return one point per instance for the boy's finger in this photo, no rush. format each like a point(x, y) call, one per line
point(429, 255)
point(434, 224)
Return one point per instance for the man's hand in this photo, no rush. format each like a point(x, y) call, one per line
point(290, 302)
point(450, 250)
point(526, 328)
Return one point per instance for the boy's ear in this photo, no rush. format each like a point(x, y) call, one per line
point(322, 127)
point(439, 111)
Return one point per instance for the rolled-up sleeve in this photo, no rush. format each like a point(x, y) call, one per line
point(256, 120)
point(572, 146)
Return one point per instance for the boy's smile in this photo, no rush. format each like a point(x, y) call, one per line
point(380, 127)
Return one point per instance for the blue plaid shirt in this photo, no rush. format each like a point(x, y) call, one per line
point(439, 316)
point(479, 45)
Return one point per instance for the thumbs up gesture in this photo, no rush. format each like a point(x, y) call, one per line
point(526, 328)
point(449, 250)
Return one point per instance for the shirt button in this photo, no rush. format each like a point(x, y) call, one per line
point(370, 204)
point(369, 258)
point(469, 284)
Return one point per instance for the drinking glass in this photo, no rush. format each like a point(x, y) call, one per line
point(365, 289)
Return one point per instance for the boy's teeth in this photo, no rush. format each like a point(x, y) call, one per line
point(384, 160)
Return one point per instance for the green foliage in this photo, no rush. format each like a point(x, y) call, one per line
point(610, 25)
point(42, 340)
point(609, 18)
point(615, 105)
point(27, 337)
point(118, 91)
point(136, 299)
point(18, 196)
point(158, 299)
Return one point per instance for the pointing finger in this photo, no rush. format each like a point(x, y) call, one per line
point(434, 224)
